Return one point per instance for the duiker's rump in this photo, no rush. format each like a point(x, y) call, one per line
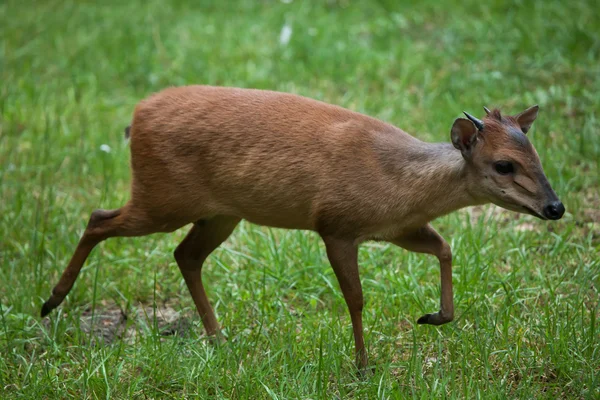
point(212, 156)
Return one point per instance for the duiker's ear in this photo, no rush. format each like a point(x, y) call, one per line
point(526, 118)
point(464, 135)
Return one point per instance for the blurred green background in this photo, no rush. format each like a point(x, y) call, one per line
point(526, 291)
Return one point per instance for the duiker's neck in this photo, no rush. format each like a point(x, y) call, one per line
point(436, 178)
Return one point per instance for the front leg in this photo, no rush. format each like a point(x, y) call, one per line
point(427, 240)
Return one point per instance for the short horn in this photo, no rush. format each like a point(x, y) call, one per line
point(478, 123)
point(487, 110)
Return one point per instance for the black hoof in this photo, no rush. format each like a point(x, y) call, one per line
point(45, 309)
point(424, 319)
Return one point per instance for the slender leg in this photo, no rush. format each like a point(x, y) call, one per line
point(204, 237)
point(343, 256)
point(427, 240)
point(102, 225)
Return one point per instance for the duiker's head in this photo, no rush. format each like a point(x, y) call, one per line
point(504, 168)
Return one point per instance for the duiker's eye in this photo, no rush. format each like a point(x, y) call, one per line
point(504, 167)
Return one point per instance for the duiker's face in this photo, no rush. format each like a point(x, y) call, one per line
point(504, 164)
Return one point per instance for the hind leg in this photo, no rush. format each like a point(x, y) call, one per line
point(204, 237)
point(103, 224)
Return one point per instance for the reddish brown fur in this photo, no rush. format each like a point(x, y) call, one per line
point(214, 156)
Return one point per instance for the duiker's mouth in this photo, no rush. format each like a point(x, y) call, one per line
point(534, 213)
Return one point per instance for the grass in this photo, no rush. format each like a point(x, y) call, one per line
point(526, 291)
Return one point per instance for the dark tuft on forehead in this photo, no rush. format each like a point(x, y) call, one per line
point(518, 136)
point(495, 114)
point(496, 122)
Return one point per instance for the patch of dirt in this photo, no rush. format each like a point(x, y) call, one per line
point(104, 324)
point(524, 227)
point(404, 325)
point(108, 322)
point(488, 211)
point(591, 211)
point(588, 217)
point(591, 215)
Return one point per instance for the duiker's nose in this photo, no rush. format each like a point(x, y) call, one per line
point(554, 210)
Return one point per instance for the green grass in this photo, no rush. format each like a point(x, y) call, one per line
point(526, 291)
